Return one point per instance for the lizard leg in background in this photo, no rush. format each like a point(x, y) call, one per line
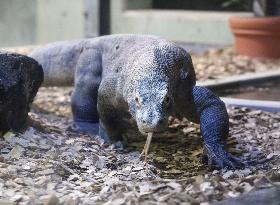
point(214, 126)
point(84, 97)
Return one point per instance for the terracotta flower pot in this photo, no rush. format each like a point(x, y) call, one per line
point(257, 36)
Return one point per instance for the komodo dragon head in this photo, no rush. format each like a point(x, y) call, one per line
point(156, 82)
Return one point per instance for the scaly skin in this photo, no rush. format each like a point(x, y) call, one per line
point(132, 84)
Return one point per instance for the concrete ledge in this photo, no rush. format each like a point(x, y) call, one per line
point(263, 196)
point(238, 80)
point(182, 14)
point(270, 106)
point(177, 25)
point(241, 80)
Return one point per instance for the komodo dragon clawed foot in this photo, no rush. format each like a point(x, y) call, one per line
point(85, 127)
point(91, 129)
point(218, 158)
point(97, 131)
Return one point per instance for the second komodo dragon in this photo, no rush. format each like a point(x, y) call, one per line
point(132, 84)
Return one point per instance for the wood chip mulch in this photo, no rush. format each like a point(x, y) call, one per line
point(50, 165)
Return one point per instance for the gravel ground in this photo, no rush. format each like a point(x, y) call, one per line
point(50, 165)
point(221, 63)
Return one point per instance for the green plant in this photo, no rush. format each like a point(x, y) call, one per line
point(259, 7)
point(266, 7)
point(245, 4)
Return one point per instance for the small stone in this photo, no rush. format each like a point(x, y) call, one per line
point(16, 152)
point(188, 130)
point(271, 155)
point(233, 194)
point(228, 174)
point(46, 172)
point(19, 181)
point(205, 186)
point(51, 200)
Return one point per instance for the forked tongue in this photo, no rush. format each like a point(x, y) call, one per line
point(147, 146)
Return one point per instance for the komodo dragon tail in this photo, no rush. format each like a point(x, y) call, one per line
point(59, 61)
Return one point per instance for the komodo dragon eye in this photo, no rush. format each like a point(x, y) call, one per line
point(167, 101)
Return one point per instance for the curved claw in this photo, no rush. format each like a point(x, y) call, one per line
point(117, 145)
point(91, 129)
point(231, 162)
point(85, 127)
point(220, 159)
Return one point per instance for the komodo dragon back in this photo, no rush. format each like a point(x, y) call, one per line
point(59, 61)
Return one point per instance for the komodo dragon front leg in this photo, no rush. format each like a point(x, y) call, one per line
point(84, 97)
point(214, 126)
point(112, 110)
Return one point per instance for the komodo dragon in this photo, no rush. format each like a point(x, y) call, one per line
point(132, 84)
